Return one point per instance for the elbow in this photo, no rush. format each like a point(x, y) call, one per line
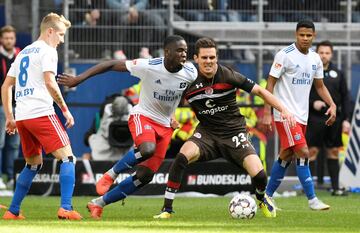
point(5, 87)
point(49, 85)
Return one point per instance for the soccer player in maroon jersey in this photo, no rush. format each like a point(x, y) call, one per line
point(221, 130)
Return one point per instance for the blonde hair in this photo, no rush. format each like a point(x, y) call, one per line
point(6, 29)
point(52, 20)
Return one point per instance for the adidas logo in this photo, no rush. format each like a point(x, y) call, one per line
point(158, 81)
point(308, 179)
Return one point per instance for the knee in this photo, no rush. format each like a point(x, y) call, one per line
point(286, 155)
point(147, 149)
point(144, 175)
point(313, 152)
point(333, 153)
point(302, 152)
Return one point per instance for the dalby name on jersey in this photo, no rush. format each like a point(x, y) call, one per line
point(25, 92)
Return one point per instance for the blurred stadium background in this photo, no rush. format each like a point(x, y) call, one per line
point(249, 32)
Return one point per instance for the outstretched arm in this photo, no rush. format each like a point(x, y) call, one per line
point(55, 93)
point(325, 95)
point(71, 81)
point(271, 100)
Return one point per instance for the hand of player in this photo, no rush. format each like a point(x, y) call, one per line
point(267, 121)
point(174, 123)
point(289, 117)
point(346, 127)
point(133, 15)
point(332, 112)
point(318, 105)
point(69, 119)
point(10, 127)
point(68, 80)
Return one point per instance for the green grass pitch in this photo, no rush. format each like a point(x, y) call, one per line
point(192, 215)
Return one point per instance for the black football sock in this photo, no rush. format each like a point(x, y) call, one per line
point(333, 169)
point(175, 176)
point(260, 181)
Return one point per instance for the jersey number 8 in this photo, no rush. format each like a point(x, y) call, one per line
point(23, 75)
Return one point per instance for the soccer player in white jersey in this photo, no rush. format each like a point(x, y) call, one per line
point(33, 75)
point(163, 81)
point(293, 71)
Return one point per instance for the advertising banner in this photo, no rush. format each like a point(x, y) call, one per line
point(216, 177)
point(350, 170)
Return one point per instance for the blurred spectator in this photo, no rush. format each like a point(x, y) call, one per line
point(50, 5)
point(92, 18)
point(161, 8)
point(242, 10)
point(329, 10)
point(83, 7)
point(138, 25)
point(9, 144)
point(109, 138)
point(275, 11)
point(202, 10)
point(356, 12)
point(291, 10)
point(90, 14)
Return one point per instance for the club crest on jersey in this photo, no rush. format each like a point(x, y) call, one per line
point(209, 90)
point(297, 137)
point(313, 67)
point(277, 66)
point(199, 85)
point(183, 85)
point(148, 127)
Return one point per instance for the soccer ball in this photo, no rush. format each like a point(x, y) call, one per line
point(242, 206)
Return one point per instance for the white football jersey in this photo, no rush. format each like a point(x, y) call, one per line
point(295, 72)
point(31, 95)
point(161, 91)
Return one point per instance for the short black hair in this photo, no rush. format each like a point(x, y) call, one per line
point(326, 43)
point(305, 24)
point(172, 38)
point(204, 42)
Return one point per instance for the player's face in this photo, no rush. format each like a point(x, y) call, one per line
point(207, 61)
point(175, 55)
point(8, 40)
point(325, 54)
point(304, 38)
point(57, 35)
